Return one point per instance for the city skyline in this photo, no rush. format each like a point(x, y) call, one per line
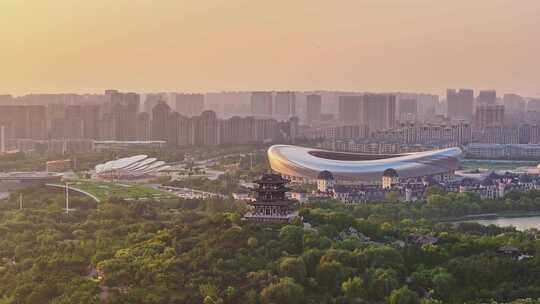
point(258, 152)
point(377, 46)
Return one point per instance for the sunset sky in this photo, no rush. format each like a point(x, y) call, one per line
point(214, 45)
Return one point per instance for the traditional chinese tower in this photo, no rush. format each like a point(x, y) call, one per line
point(270, 203)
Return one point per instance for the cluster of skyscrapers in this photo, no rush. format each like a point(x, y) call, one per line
point(489, 110)
point(207, 130)
point(240, 117)
point(281, 105)
point(399, 121)
point(118, 116)
point(377, 111)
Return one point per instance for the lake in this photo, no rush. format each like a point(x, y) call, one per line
point(521, 223)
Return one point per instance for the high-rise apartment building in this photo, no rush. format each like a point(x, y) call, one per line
point(413, 133)
point(289, 129)
point(189, 104)
point(124, 108)
point(524, 134)
point(285, 105)
point(2, 138)
point(460, 104)
point(90, 116)
point(105, 126)
point(408, 107)
point(160, 121)
point(185, 131)
point(427, 105)
point(55, 112)
point(237, 130)
point(6, 99)
point(376, 111)
point(261, 104)
point(265, 129)
point(514, 103)
point(533, 105)
point(173, 129)
point(29, 122)
point(350, 108)
point(487, 97)
point(144, 126)
point(109, 92)
point(379, 111)
point(37, 122)
point(534, 135)
point(150, 101)
point(73, 123)
point(58, 128)
point(76, 121)
point(347, 132)
point(20, 123)
point(313, 108)
point(206, 129)
point(489, 115)
point(499, 135)
point(5, 127)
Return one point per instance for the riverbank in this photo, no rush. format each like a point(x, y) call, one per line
point(491, 216)
point(521, 221)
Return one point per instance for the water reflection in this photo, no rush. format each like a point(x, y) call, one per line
point(521, 223)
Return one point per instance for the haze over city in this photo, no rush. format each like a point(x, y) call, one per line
point(269, 152)
point(198, 46)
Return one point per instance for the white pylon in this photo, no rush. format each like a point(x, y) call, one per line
point(67, 199)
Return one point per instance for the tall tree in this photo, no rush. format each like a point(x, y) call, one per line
point(284, 291)
point(403, 296)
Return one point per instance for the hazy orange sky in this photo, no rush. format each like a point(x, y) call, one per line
point(214, 45)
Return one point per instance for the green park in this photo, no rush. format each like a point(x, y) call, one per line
point(104, 190)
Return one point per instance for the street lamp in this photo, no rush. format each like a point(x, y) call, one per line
point(67, 198)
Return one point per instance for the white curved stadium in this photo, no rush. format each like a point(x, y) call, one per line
point(300, 163)
point(138, 166)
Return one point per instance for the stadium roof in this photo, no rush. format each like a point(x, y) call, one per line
point(137, 166)
point(307, 163)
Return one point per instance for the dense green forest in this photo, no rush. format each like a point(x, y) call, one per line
point(440, 205)
point(201, 252)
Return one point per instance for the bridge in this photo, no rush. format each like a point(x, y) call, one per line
point(30, 177)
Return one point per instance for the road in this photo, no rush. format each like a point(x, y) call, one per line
point(189, 193)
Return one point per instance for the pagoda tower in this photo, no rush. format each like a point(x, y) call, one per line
point(270, 203)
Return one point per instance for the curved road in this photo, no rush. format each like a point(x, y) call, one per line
point(76, 190)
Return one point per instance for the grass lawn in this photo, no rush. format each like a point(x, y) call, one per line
point(104, 190)
point(495, 164)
